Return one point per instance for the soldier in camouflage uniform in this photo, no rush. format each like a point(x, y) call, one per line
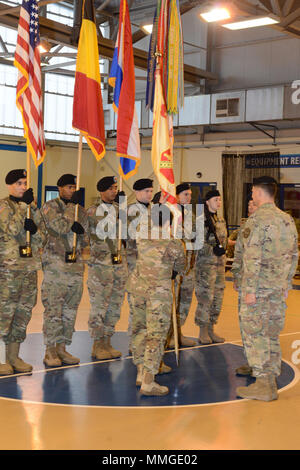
point(232, 239)
point(62, 285)
point(184, 284)
point(210, 271)
point(106, 274)
point(151, 290)
point(18, 275)
point(270, 256)
point(139, 225)
point(237, 269)
point(141, 211)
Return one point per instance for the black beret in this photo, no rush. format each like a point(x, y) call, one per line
point(106, 182)
point(182, 187)
point(156, 197)
point(15, 175)
point(143, 183)
point(212, 193)
point(66, 179)
point(264, 180)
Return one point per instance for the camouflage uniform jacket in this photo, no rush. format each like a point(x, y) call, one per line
point(141, 229)
point(100, 215)
point(187, 230)
point(268, 250)
point(59, 218)
point(13, 235)
point(156, 261)
point(234, 236)
point(206, 255)
point(237, 265)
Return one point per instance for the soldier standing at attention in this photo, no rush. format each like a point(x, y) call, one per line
point(270, 256)
point(62, 286)
point(143, 189)
point(107, 273)
point(151, 287)
point(18, 273)
point(187, 280)
point(237, 272)
point(210, 270)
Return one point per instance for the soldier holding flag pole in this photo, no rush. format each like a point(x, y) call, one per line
point(22, 232)
point(65, 219)
point(167, 76)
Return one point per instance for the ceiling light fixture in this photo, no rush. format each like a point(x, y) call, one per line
point(251, 23)
point(147, 28)
point(217, 14)
point(44, 46)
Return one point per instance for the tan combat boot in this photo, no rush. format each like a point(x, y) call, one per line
point(114, 352)
point(213, 336)
point(182, 340)
point(64, 356)
point(260, 390)
point(150, 388)
point(203, 335)
point(164, 369)
point(245, 369)
point(12, 355)
point(99, 351)
point(139, 375)
point(51, 358)
point(6, 369)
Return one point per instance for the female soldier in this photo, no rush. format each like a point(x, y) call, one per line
point(210, 270)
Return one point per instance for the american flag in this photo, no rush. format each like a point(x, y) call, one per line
point(29, 95)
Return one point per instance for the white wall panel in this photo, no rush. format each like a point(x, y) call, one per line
point(264, 104)
point(196, 111)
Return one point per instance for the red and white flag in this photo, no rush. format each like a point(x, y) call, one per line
point(29, 93)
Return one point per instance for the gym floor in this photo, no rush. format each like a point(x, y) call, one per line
point(96, 405)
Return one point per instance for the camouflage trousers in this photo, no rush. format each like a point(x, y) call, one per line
point(61, 294)
point(184, 288)
point(18, 296)
point(151, 319)
point(261, 325)
point(209, 290)
point(106, 286)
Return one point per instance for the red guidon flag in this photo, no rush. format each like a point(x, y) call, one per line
point(162, 143)
point(88, 116)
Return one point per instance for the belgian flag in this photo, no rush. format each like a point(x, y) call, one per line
point(88, 116)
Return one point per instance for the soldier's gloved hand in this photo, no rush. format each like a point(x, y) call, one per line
point(28, 196)
point(30, 226)
point(76, 197)
point(77, 228)
point(174, 274)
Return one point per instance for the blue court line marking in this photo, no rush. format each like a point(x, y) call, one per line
point(151, 403)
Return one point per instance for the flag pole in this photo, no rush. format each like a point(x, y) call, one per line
point(120, 223)
point(158, 56)
point(28, 209)
point(77, 189)
point(174, 318)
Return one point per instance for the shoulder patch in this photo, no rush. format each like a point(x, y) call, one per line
point(246, 232)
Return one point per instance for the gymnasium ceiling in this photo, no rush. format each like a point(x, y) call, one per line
point(60, 36)
point(142, 11)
